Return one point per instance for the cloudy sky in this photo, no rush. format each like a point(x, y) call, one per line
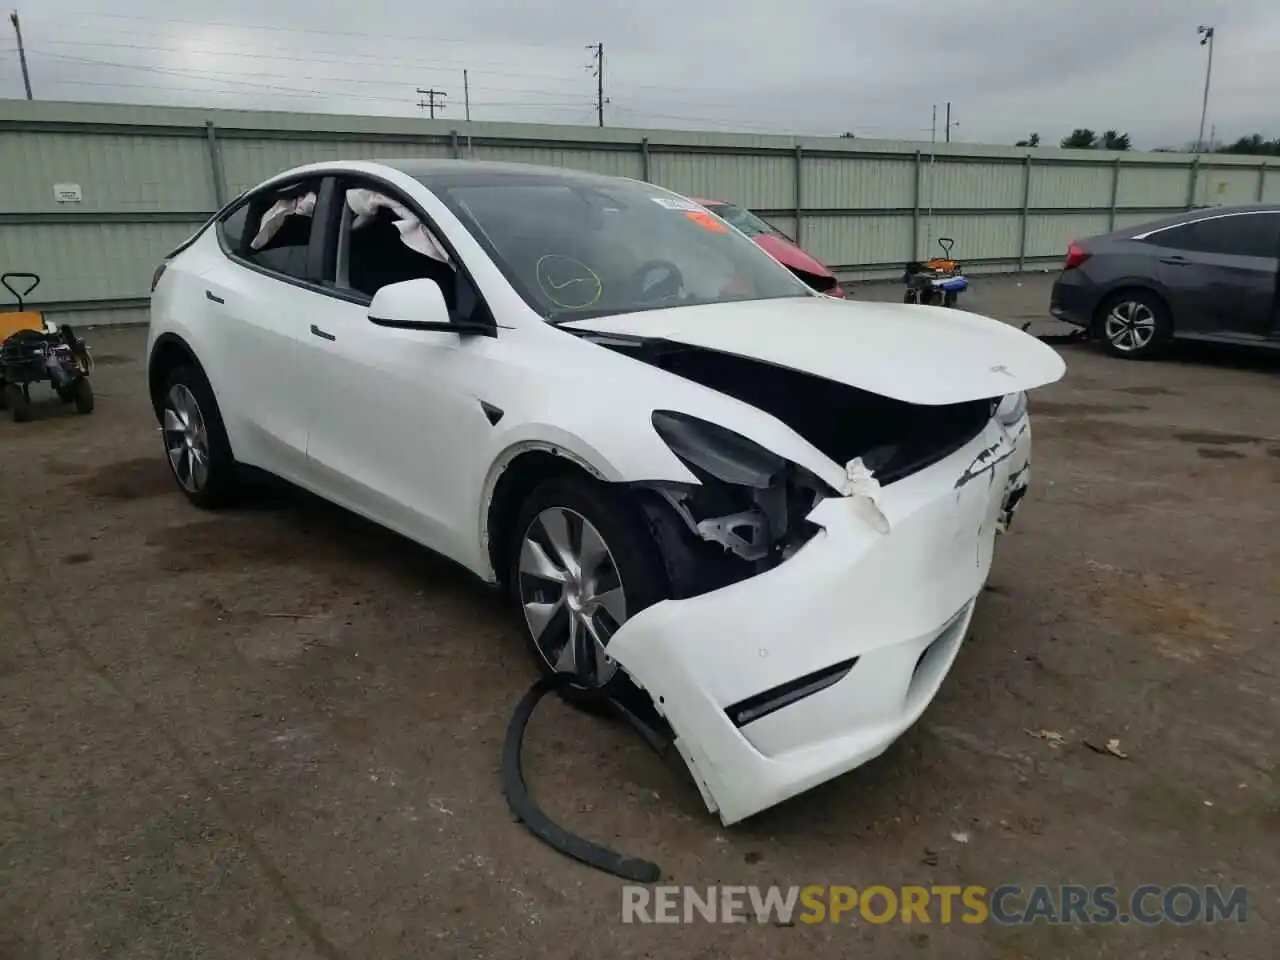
point(873, 67)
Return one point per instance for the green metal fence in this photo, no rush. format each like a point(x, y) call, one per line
point(92, 195)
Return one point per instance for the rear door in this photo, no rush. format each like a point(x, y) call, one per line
point(1221, 272)
point(261, 295)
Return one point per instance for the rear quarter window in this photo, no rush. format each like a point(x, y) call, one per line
point(232, 228)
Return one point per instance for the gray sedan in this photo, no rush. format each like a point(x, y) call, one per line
point(1208, 274)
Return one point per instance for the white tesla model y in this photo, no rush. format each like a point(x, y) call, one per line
point(766, 511)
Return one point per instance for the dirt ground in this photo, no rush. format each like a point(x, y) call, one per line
point(275, 732)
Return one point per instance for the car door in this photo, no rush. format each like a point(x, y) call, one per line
point(395, 424)
point(1221, 272)
point(259, 297)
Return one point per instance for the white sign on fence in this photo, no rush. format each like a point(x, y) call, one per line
point(67, 193)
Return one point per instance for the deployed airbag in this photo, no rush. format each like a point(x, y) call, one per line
point(366, 204)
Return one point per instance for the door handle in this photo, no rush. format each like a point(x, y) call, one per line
point(322, 334)
point(210, 295)
point(1176, 261)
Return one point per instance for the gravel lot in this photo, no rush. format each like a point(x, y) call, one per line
point(274, 732)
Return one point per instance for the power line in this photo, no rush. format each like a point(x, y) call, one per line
point(349, 58)
point(276, 89)
point(246, 74)
point(576, 108)
point(170, 72)
point(217, 77)
point(747, 126)
point(245, 79)
point(362, 81)
point(580, 111)
point(261, 28)
point(359, 59)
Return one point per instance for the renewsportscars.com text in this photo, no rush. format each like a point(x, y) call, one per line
point(1009, 904)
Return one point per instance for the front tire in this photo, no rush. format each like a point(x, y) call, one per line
point(1134, 325)
point(195, 440)
point(81, 394)
point(580, 562)
point(18, 402)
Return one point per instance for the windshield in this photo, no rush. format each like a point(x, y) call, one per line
point(744, 220)
point(592, 248)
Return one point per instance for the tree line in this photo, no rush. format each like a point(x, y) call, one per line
point(1082, 138)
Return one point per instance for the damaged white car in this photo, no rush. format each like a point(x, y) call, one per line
point(762, 512)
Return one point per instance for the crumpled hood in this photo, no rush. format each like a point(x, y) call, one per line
point(916, 354)
point(789, 255)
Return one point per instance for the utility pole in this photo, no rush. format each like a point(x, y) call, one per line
point(466, 101)
point(948, 121)
point(933, 153)
point(1206, 39)
point(22, 52)
point(597, 67)
point(600, 85)
point(430, 102)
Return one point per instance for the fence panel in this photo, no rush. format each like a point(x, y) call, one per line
point(94, 194)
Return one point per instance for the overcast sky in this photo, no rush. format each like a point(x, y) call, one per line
point(873, 67)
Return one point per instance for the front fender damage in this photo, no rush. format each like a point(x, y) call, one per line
point(851, 554)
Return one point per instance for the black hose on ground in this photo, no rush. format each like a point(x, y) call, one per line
point(1077, 335)
point(531, 815)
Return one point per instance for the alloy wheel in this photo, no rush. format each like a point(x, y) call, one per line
point(572, 594)
point(1130, 326)
point(186, 439)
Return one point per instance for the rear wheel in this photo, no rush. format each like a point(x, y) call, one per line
point(1134, 324)
point(581, 561)
point(195, 440)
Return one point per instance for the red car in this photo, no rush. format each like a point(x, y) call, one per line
point(778, 245)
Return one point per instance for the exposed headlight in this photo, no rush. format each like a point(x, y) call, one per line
point(748, 501)
point(721, 453)
point(1012, 408)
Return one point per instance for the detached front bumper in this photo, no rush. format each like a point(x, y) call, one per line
point(780, 682)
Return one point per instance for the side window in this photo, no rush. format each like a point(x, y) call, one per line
point(1245, 235)
point(278, 229)
point(381, 241)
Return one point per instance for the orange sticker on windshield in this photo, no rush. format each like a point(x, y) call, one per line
point(707, 221)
